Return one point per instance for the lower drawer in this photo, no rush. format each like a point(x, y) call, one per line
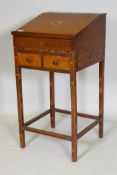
point(57, 62)
point(29, 60)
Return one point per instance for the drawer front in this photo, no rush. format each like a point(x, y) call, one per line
point(29, 60)
point(57, 62)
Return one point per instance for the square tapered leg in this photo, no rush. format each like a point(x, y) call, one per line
point(20, 106)
point(73, 115)
point(101, 99)
point(52, 100)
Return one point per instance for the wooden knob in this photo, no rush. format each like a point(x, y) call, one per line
point(29, 60)
point(56, 62)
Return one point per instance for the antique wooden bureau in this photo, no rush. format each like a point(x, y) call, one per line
point(65, 43)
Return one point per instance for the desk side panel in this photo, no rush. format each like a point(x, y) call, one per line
point(90, 44)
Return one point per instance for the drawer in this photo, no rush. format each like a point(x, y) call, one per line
point(57, 62)
point(29, 60)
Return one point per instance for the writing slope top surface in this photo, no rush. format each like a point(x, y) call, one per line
point(57, 25)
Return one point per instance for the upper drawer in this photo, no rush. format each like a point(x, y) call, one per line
point(29, 60)
point(57, 62)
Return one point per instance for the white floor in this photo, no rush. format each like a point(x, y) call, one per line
point(45, 155)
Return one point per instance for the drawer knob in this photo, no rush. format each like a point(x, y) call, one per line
point(29, 60)
point(56, 62)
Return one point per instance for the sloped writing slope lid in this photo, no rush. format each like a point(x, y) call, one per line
point(56, 25)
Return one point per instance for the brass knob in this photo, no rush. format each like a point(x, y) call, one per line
point(56, 62)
